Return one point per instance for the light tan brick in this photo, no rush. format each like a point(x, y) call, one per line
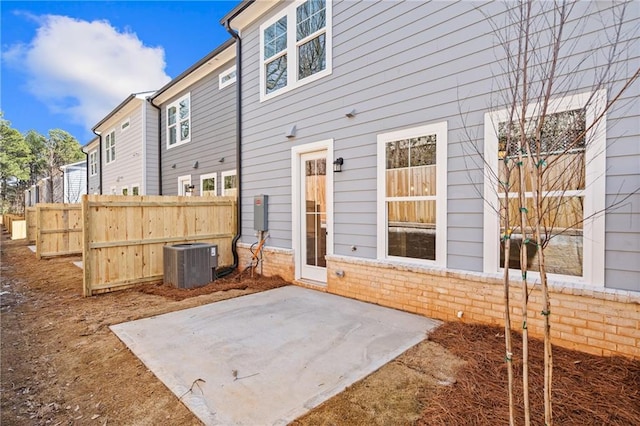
point(619, 339)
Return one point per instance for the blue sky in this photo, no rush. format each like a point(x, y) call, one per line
point(66, 64)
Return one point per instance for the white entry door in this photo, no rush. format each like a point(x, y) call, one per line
point(312, 209)
point(184, 185)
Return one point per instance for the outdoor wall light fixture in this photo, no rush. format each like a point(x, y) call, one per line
point(173, 166)
point(195, 165)
point(291, 133)
point(221, 160)
point(337, 165)
point(351, 113)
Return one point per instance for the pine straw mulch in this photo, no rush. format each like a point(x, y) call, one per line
point(234, 281)
point(587, 389)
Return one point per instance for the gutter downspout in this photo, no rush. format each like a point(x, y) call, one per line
point(234, 242)
point(99, 135)
point(159, 144)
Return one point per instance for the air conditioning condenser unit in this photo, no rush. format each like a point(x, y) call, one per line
point(189, 265)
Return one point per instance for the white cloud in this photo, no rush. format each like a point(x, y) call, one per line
point(84, 69)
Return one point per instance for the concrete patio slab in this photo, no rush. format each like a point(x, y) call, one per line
point(267, 358)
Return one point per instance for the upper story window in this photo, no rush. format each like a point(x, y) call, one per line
point(412, 194)
point(227, 77)
point(571, 157)
point(93, 163)
point(179, 121)
point(125, 124)
point(110, 147)
point(295, 47)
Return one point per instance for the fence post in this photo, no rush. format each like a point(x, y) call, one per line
point(86, 254)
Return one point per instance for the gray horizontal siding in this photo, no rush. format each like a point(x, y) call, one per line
point(400, 65)
point(94, 181)
point(213, 137)
point(152, 165)
point(128, 167)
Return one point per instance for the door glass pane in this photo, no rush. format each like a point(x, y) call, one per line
point(315, 216)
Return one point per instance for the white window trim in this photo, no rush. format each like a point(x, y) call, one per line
point(291, 52)
point(593, 250)
point(135, 185)
point(176, 103)
point(180, 182)
point(440, 130)
point(209, 176)
point(110, 159)
point(122, 188)
point(221, 84)
point(224, 175)
point(93, 161)
point(124, 128)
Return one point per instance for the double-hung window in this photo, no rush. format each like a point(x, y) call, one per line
point(179, 121)
point(571, 162)
point(110, 147)
point(93, 163)
point(412, 194)
point(208, 185)
point(229, 183)
point(295, 47)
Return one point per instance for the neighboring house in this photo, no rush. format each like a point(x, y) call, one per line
point(74, 182)
point(198, 127)
point(128, 148)
point(92, 151)
point(69, 184)
point(392, 92)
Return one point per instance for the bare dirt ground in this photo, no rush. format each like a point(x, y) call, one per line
point(61, 365)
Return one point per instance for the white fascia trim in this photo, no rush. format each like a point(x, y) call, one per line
point(595, 189)
point(195, 76)
point(440, 130)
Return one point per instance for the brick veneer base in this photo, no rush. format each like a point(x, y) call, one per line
point(601, 322)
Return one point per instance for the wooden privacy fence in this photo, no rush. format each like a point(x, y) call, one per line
point(15, 225)
point(58, 229)
point(124, 236)
point(30, 215)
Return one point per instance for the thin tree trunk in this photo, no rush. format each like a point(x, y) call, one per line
point(507, 318)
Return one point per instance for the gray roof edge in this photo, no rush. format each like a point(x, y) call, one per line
point(215, 52)
point(236, 11)
point(122, 104)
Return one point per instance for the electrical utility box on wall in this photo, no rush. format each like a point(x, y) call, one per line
point(189, 265)
point(260, 212)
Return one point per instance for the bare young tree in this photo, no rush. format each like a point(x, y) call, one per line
point(556, 80)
